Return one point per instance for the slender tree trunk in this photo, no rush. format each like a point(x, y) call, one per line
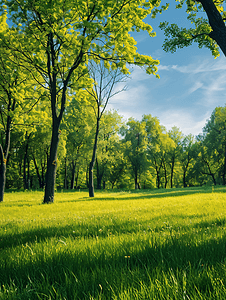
point(184, 175)
point(165, 173)
point(158, 178)
point(224, 167)
point(157, 169)
point(52, 165)
point(26, 174)
point(2, 174)
point(172, 169)
point(92, 163)
point(76, 179)
point(37, 172)
point(43, 175)
point(99, 176)
point(136, 180)
point(73, 175)
point(65, 174)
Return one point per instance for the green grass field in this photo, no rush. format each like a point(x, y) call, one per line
point(159, 244)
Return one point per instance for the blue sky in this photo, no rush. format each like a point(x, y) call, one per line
point(192, 82)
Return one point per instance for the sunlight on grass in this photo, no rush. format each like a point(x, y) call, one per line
point(166, 244)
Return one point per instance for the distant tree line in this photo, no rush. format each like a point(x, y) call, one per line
point(135, 154)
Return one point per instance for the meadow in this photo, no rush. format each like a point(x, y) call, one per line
point(150, 244)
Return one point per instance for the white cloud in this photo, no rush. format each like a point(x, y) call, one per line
point(163, 68)
point(200, 66)
point(197, 85)
point(184, 120)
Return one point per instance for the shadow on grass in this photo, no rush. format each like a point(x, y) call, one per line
point(98, 270)
point(88, 228)
point(144, 194)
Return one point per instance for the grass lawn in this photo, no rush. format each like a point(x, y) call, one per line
point(153, 244)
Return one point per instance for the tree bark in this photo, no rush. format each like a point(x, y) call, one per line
point(65, 175)
point(224, 167)
point(157, 169)
point(76, 179)
point(165, 173)
point(172, 170)
point(185, 173)
point(52, 165)
point(136, 180)
point(26, 174)
point(37, 172)
point(92, 163)
point(73, 175)
point(99, 176)
point(2, 174)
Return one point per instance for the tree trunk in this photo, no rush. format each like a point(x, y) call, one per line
point(157, 174)
point(158, 178)
point(165, 173)
point(92, 163)
point(26, 174)
point(184, 179)
point(99, 176)
point(217, 24)
point(73, 175)
point(37, 172)
point(172, 169)
point(65, 175)
point(2, 174)
point(52, 165)
point(184, 174)
point(99, 181)
point(224, 167)
point(76, 179)
point(136, 180)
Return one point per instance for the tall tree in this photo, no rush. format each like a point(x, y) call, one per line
point(105, 79)
point(58, 38)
